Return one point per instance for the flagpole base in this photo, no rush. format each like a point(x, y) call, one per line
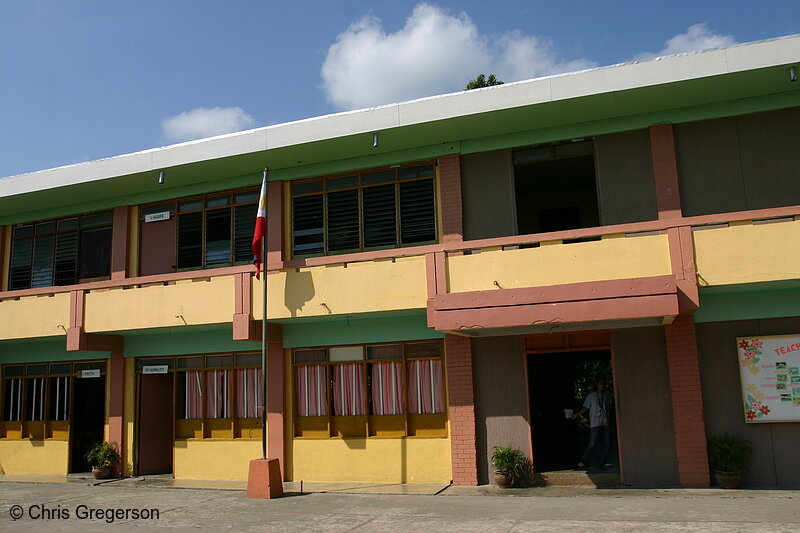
point(264, 479)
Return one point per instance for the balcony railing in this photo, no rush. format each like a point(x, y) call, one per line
point(728, 248)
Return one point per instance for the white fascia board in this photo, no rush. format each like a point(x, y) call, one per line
point(624, 76)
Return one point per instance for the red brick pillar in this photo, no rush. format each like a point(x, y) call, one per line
point(450, 189)
point(687, 402)
point(665, 171)
point(458, 354)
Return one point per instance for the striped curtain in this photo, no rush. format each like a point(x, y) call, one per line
point(311, 389)
point(13, 404)
point(59, 394)
point(348, 389)
point(387, 388)
point(193, 395)
point(218, 388)
point(425, 386)
point(249, 392)
point(35, 399)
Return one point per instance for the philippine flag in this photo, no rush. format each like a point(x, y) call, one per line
point(261, 225)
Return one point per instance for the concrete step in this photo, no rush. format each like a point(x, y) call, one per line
point(577, 478)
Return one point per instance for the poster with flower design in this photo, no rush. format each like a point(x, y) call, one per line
point(770, 370)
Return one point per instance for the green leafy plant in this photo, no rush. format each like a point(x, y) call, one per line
point(512, 462)
point(729, 454)
point(102, 454)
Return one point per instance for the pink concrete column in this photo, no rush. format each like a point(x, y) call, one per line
point(274, 223)
point(116, 377)
point(119, 243)
point(276, 407)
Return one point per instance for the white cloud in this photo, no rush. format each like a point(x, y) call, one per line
point(697, 37)
point(436, 51)
point(202, 122)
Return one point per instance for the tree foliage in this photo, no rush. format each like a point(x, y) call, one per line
point(482, 81)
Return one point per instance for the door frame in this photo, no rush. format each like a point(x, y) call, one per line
point(574, 341)
point(138, 419)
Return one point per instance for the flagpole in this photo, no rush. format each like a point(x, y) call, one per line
point(264, 332)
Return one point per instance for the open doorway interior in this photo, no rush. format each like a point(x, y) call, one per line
point(558, 382)
point(88, 419)
point(556, 187)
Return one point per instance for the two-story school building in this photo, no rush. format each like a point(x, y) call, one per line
point(445, 275)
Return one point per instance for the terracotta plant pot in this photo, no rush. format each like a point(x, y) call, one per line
point(102, 472)
point(728, 480)
point(504, 481)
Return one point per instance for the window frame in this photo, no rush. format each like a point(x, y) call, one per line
point(174, 208)
point(369, 425)
point(47, 428)
point(361, 187)
point(78, 230)
point(232, 427)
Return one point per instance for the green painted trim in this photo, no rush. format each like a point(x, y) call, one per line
point(722, 307)
point(358, 330)
point(781, 285)
point(41, 351)
point(166, 343)
point(619, 124)
point(365, 162)
point(159, 194)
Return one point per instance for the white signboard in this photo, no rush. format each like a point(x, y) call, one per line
point(770, 371)
point(155, 217)
point(95, 373)
point(155, 369)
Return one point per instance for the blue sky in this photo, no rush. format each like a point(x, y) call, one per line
point(86, 79)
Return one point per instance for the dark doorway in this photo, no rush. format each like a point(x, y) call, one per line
point(559, 381)
point(555, 187)
point(88, 419)
point(156, 424)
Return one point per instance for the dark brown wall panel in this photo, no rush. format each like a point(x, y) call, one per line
point(774, 461)
point(770, 150)
point(157, 249)
point(647, 435)
point(625, 187)
point(739, 163)
point(501, 400)
point(487, 191)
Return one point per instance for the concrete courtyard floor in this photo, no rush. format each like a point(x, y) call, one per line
point(463, 509)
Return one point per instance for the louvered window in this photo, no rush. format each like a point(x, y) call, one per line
point(215, 230)
point(61, 252)
point(371, 210)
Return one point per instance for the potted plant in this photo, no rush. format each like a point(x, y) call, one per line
point(102, 456)
point(510, 466)
point(729, 456)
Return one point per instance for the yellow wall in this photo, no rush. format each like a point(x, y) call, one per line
point(198, 302)
point(215, 459)
point(747, 253)
point(357, 288)
point(34, 457)
point(561, 263)
point(34, 316)
point(406, 460)
point(129, 416)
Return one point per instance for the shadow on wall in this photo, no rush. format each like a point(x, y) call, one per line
point(298, 291)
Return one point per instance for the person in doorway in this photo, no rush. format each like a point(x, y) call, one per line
point(596, 404)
